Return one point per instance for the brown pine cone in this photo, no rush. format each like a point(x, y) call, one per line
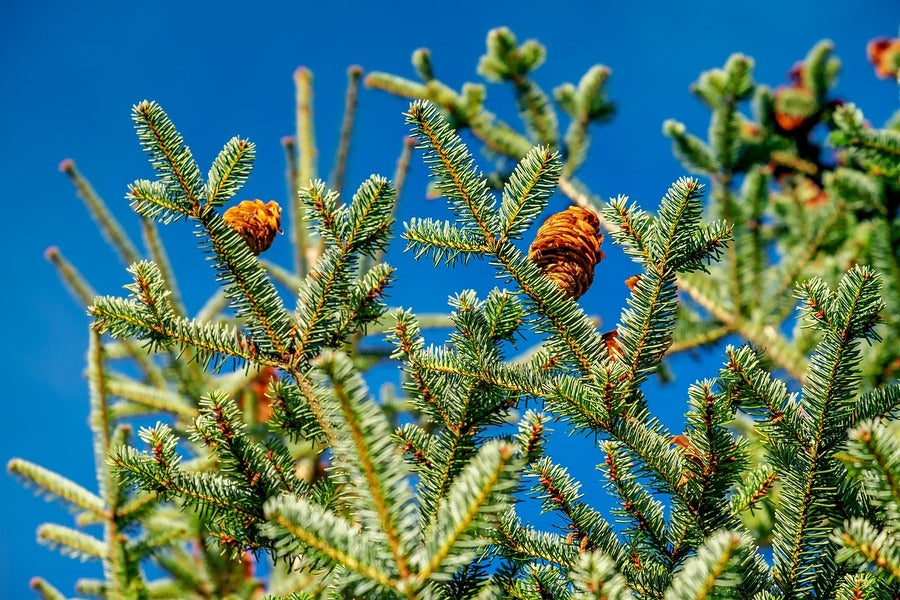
point(256, 222)
point(567, 247)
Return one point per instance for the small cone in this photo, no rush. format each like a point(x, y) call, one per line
point(567, 247)
point(256, 222)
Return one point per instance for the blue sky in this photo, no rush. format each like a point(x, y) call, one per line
point(71, 72)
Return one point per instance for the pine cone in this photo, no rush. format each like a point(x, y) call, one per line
point(567, 247)
point(256, 222)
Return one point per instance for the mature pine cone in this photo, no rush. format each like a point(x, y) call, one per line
point(567, 247)
point(256, 222)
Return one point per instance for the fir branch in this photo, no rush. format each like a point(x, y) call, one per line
point(416, 444)
point(766, 337)
point(151, 397)
point(160, 258)
point(169, 155)
point(798, 259)
point(579, 339)
point(480, 490)
point(220, 428)
point(755, 486)
point(45, 589)
point(71, 542)
point(215, 496)
point(526, 543)
point(356, 230)
point(296, 410)
point(715, 457)
point(860, 542)
point(298, 526)
point(52, 485)
point(878, 150)
point(596, 578)
point(647, 535)
point(112, 230)
point(560, 492)
point(692, 152)
point(281, 275)
point(881, 402)
point(305, 248)
point(362, 447)
point(127, 319)
point(528, 190)
point(153, 200)
point(873, 456)
point(354, 74)
point(454, 169)
point(249, 288)
point(861, 586)
point(506, 60)
point(630, 227)
point(229, 171)
point(722, 562)
point(369, 215)
point(306, 138)
point(587, 103)
point(844, 316)
point(74, 281)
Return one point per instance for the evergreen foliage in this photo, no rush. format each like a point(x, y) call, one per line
point(289, 460)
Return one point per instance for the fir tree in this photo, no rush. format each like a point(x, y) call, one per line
point(271, 447)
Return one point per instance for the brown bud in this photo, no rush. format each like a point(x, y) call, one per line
point(613, 349)
point(632, 282)
point(884, 53)
point(786, 120)
point(567, 247)
point(256, 222)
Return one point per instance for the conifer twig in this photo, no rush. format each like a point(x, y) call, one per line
point(110, 227)
point(339, 169)
point(307, 160)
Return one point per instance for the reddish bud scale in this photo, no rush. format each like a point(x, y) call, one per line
point(884, 53)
